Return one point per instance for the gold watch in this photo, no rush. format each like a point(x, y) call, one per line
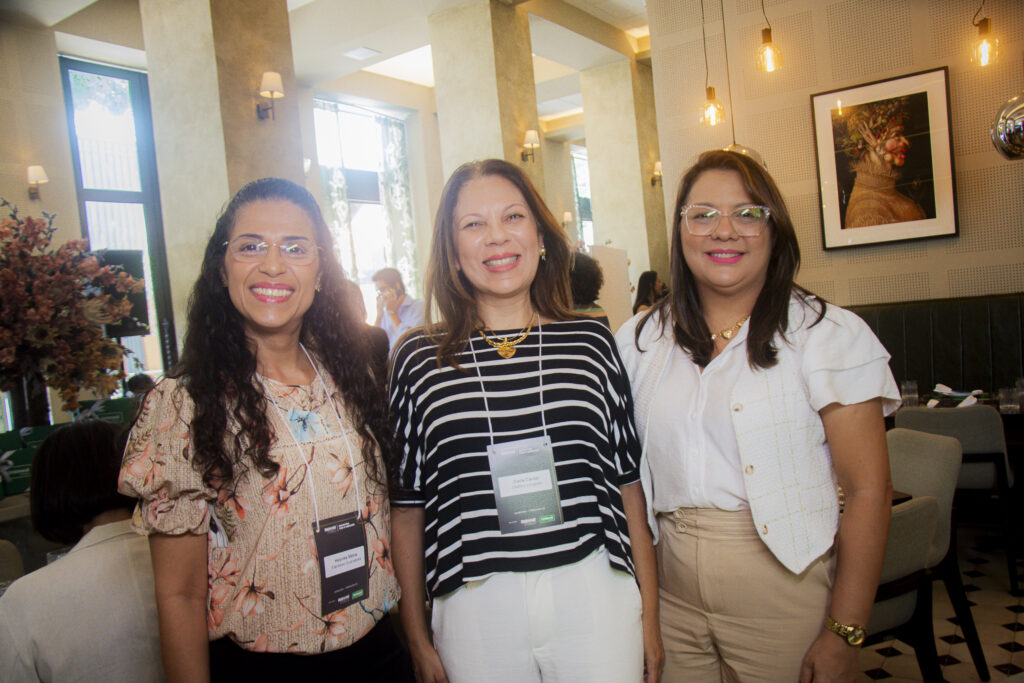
point(853, 635)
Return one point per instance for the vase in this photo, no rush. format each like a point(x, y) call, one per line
point(30, 403)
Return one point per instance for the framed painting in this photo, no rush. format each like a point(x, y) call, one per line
point(885, 160)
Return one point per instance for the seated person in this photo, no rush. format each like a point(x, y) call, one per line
point(586, 279)
point(91, 615)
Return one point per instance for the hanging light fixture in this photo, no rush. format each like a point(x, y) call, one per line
point(734, 147)
point(986, 46)
point(769, 58)
point(712, 112)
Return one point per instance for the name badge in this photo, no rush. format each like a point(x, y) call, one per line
point(525, 484)
point(344, 570)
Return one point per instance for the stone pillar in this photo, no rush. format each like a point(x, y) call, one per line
point(483, 74)
point(205, 60)
point(622, 146)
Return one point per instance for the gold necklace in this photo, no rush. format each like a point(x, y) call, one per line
point(728, 332)
point(507, 348)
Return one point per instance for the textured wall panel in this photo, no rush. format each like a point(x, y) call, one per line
point(975, 96)
point(826, 289)
point(884, 288)
point(669, 16)
point(868, 37)
point(950, 30)
point(806, 214)
point(744, 6)
point(887, 252)
point(794, 34)
point(788, 157)
point(980, 281)
point(991, 201)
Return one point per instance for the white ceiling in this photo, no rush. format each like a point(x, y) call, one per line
point(323, 31)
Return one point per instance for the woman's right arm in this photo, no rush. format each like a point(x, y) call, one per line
point(407, 552)
point(179, 573)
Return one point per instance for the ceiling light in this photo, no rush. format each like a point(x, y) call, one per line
point(361, 53)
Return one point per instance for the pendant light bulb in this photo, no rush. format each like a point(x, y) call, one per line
point(986, 46)
point(769, 58)
point(712, 112)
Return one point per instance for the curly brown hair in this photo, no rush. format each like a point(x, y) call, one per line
point(218, 360)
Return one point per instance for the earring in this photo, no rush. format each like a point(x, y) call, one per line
point(318, 285)
point(543, 254)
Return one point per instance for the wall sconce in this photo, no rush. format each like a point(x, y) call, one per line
point(271, 88)
point(36, 177)
point(656, 176)
point(531, 141)
point(566, 219)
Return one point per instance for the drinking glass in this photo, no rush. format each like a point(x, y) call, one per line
point(1009, 400)
point(908, 392)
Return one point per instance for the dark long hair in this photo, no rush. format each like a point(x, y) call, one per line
point(448, 288)
point(771, 310)
point(645, 294)
point(218, 361)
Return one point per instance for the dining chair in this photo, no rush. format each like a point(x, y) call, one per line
point(903, 603)
point(986, 466)
point(10, 561)
point(924, 464)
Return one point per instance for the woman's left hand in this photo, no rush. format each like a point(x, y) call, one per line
point(830, 660)
point(654, 654)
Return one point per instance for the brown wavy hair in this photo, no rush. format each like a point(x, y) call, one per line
point(218, 361)
point(771, 310)
point(447, 287)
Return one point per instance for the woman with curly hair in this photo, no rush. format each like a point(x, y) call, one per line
point(258, 463)
point(518, 502)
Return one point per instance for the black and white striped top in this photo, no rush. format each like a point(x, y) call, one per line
point(443, 432)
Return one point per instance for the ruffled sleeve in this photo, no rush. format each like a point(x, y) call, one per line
point(157, 467)
point(843, 362)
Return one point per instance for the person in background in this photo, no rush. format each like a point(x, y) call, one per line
point(649, 289)
point(258, 464)
point(518, 502)
point(586, 280)
point(755, 398)
point(139, 384)
point(91, 615)
point(378, 338)
point(397, 312)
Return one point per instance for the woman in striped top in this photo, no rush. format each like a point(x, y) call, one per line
point(517, 501)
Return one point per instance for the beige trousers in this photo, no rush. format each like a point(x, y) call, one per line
point(729, 610)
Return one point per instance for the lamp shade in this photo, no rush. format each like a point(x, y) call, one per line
point(657, 168)
point(567, 217)
point(531, 140)
point(37, 175)
point(271, 86)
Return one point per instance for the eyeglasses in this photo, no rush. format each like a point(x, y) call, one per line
point(297, 251)
point(747, 221)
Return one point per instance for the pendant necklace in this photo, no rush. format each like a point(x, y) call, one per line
point(729, 332)
point(507, 347)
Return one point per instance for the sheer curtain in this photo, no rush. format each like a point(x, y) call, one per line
point(396, 199)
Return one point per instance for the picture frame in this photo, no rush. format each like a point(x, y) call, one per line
point(885, 160)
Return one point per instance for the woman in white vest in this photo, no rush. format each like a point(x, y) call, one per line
point(754, 399)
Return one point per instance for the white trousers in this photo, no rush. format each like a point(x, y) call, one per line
point(580, 622)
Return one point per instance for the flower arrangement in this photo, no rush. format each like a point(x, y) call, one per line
point(53, 303)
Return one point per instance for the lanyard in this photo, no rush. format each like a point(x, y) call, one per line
point(341, 428)
point(540, 373)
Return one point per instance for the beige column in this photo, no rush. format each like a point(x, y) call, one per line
point(205, 60)
point(483, 75)
point(622, 147)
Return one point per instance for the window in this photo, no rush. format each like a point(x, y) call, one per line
point(364, 170)
point(581, 188)
point(118, 196)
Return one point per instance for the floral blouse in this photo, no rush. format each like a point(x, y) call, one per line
point(264, 579)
